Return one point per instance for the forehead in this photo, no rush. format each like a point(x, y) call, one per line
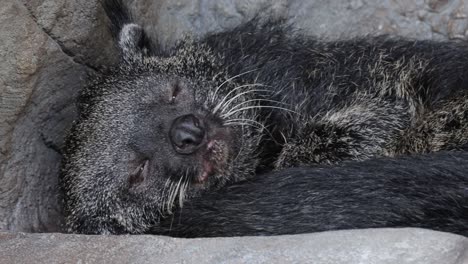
point(147, 90)
point(144, 87)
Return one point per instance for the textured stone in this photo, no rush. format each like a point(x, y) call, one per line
point(330, 19)
point(78, 26)
point(38, 85)
point(400, 246)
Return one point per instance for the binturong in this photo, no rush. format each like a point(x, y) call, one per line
point(168, 125)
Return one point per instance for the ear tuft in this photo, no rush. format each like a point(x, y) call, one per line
point(133, 42)
point(130, 37)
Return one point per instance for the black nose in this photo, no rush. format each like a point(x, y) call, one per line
point(187, 134)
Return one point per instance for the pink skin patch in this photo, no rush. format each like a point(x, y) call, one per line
point(208, 166)
point(207, 171)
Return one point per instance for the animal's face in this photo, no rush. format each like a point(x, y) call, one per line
point(149, 136)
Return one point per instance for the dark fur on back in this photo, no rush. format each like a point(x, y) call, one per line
point(357, 98)
point(262, 97)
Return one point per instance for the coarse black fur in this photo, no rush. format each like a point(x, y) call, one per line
point(426, 191)
point(165, 126)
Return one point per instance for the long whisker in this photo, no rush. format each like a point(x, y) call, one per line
point(254, 100)
point(163, 202)
point(258, 106)
point(172, 221)
point(183, 189)
point(240, 120)
point(174, 190)
point(227, 103)
point(230, 79)
point(245, 124)
point(171, 198)
point(222, 102)
point(168, 198)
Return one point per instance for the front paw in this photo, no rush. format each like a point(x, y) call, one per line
point(293, 155)
point(319, 144)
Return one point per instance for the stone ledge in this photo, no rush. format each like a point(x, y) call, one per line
point(400, 246)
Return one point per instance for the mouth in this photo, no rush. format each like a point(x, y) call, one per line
point(213, 160)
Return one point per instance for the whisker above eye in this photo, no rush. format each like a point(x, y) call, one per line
point(230, 79)
point(222, 101)
point(225, 104)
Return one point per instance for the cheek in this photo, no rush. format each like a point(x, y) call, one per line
point(162, 133)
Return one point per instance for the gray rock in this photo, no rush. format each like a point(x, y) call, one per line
point(37, 87)
point(359, 246)
point(330, 19)
point(47, 49)
point(78, 26)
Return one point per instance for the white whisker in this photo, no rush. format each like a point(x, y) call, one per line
point(227, 103)
point(168, 199)
point(259, 106)
point(226, 81)
point(240, 120)
point(183, 189)
point(222, 102)
point(253, 100)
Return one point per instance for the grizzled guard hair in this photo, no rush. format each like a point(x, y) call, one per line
point(245, 107)
point(426, 191)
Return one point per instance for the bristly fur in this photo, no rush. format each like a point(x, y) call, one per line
point(427, 191)
point(269, 99)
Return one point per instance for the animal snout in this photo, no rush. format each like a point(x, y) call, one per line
point(187, 133)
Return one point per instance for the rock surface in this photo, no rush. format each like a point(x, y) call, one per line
point(424, 19)
point(38, 83)
point(400, 246)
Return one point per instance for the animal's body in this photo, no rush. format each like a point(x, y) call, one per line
point(425, 191)
point(167, 125)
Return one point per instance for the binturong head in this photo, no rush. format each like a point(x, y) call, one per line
point(152, 132)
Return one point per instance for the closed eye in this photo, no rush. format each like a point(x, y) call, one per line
point(175, 91)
